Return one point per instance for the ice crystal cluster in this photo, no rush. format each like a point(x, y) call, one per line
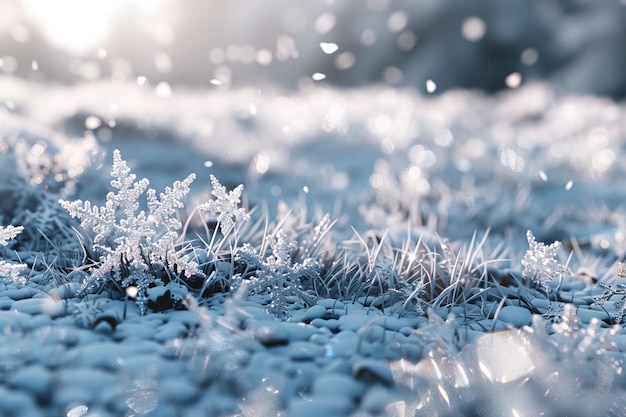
point(225, 206)
point(278, 275)
point(615, 293)
point(134, 245)
point(539, 262)
point(10, 272)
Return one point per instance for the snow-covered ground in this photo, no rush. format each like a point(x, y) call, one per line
point(400, 245)
point(392, 163)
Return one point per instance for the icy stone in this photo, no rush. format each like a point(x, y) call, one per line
point(330, 324)
point(13, 320)
point(488, 325)
point(178, 390)
point(272, 334)
point(315, 312)
point(104, 328)
point(104, 355)
point(13, 403)
point(35, 306)
point(354, 322)
point(5, 303)
point(343, 344)
point(299, 331)
point(331, 304)
point(317, 406)
point(337, 384)
point(586, 315)
point(65, 291)
point(397, 323)
point(376, 399)
point(186, 317)
point(128, 330)
point(516, 316)
point(370, 370)
point(34, 379)
point(620, 342)
point(373, 334)
point(304, 351)
point(20, 293)
point(170, 331)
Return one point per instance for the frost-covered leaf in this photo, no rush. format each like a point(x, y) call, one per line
point(539, 262)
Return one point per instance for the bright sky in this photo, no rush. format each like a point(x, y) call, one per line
point(78, 25)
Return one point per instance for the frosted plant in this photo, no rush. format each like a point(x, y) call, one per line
point(617, 290)
point(225, 206)
point(10, 272)
point(277, 274)
point(9, 232)
point(539, 262)
point(134, 246)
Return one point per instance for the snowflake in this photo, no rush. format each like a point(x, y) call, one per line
point(225, 206)
point(278, 275)
point(134, 245)
point(610, 291)
point(539, 262)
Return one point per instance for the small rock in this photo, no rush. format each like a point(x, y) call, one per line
point(34, 379)
point(304, 351)
point(171, 330)
point(315, 312)
point(376, 399)
point(14, 403)
point(355, 322)
point(335, 306)
point(370, 370)
point(586, 315)
point(330, 324)
point(337, 384)
point(178, 390)
point(35, 306)
point(317, 406)
point(272, 334)
point(129, 330)
point(516, 316)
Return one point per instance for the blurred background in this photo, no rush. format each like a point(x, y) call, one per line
point(433, 45)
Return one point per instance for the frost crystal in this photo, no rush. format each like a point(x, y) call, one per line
point(613, 292)
point(134, 246)
point(9, 232)
point(225, 206)
point(539, 262)
point(277, 274)
point(10, 272)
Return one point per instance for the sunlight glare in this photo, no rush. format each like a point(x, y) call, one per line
point(77, 25)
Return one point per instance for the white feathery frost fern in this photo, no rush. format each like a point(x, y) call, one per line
point(10, 272)
point(278, 274)
point(225, 206)
point(133, 245)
